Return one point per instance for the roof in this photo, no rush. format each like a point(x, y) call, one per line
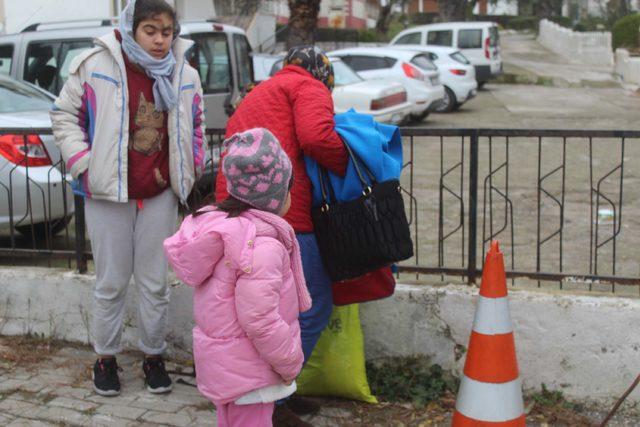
point(375, 51)
point(448, 25)
point(444, 50)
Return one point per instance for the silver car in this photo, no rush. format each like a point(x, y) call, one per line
point(34, 193)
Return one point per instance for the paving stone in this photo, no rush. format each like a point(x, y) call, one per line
point(33, 385)
point(200, 417)
point(176, 419)
point(76, 392)
point(71, 403)
point(122, 400)
point(155, 404)
point(21, 374)
point(101, 420)
point(121, 411)
point(10, 385)
point(28, 423)
point(5, 419)
point(18, 407)
point(57, 414)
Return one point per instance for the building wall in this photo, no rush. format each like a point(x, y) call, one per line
point(502, 7)
point(428, 6)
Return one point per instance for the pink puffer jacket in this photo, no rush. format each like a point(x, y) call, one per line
point(246, 300)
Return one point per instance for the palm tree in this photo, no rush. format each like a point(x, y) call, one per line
point(303, 20)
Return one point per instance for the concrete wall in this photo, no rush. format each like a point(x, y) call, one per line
point(627, 67)
point(592, 48)
point(587, 346)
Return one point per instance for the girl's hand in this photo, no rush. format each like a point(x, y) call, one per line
point(287, 382)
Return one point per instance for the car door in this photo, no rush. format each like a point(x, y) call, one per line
point(470, 42)
point(370, 66)
point(211, 56)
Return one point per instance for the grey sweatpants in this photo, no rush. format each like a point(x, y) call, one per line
point(126, 240)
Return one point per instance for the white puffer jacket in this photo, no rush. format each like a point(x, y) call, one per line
point(91, 123)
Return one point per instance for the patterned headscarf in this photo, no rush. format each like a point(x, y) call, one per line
point(314, 60)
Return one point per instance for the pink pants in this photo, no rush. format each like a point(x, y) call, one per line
point(232, 415)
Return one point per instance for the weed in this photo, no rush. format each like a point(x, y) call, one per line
point(409, 379)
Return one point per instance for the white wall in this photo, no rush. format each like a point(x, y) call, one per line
point(587, 346)
point(592, 48)
point(21, 13)
point(627, 67)
point(501, 7)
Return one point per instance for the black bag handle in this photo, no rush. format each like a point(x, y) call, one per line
point(366, 188)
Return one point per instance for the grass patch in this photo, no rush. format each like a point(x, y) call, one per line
point(409, 379)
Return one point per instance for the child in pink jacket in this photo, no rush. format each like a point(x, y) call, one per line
point(244, 262)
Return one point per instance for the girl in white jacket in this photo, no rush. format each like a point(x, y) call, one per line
point(129, 123)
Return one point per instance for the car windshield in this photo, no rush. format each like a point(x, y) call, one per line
point(344, 75)
point(458, 56)
point(16, 97)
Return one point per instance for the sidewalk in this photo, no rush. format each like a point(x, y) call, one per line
point(523, 55)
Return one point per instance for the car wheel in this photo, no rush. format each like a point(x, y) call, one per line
point(481, 85)
point(457, 106)
point(41, 229)
point(448, 103)
point(420, 117)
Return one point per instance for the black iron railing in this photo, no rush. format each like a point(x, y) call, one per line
point(554, 199)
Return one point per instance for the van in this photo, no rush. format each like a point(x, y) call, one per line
point(41, 54)
point(478, 41)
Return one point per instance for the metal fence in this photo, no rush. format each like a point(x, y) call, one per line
point(554, 199)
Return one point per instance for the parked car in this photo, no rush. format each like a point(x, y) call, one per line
point(33, 191)
point(456, 73)
point(414, 70)
point(478, 41)
point(385, 100)
point(41, 54)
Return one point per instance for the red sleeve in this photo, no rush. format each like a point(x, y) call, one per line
point(315, 127)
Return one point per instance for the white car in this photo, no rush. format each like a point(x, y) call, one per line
point(456, 73)
point(414, 70)
point(385, 100)
point(478, 41)
point(33, 192)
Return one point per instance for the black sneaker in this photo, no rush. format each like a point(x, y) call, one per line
point(156, 376)
point(105, 377)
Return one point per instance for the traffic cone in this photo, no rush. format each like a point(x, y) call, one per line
point(491, 390)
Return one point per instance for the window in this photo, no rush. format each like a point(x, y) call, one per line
point(6, 58)
point(344, 75)
point(423, 61)
point(440, 38)
point(244, 61)
point(470, 39)
point(48, 62)
point(211, 59)
point(365, 63)
point(458, 56)
point(17, 97)
point(411, 38)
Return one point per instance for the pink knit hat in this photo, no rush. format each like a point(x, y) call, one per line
point(257, 169)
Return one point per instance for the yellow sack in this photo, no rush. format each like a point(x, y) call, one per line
point(336, 367)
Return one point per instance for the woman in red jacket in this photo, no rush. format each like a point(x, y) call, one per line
point(296, 106)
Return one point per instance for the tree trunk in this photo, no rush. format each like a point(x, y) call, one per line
point(382, 25)
point(453, 10)
point(548, 8)
point(303, 20)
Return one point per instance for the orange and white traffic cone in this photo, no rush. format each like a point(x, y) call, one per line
point(491, 391)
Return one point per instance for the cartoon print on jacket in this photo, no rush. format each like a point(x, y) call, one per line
point(147, 137)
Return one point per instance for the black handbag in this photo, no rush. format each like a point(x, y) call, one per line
point(365, 234)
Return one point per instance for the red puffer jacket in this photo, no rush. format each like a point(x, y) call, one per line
point(298, 110)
